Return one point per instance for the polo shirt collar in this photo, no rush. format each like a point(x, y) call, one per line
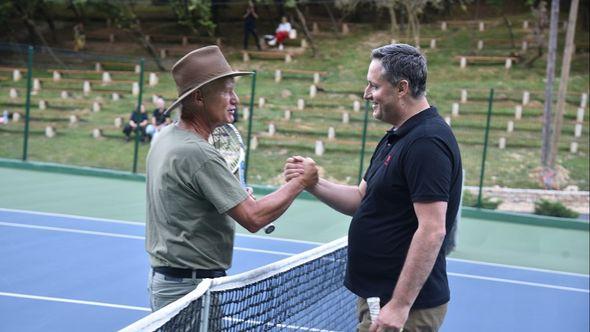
point(412, 122)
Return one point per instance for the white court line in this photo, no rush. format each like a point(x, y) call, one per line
point(518, 282)
point(141, 224)
point(133, 237)
point(59, 299)
point(516, 267)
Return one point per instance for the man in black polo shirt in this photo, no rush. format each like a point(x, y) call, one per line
point(405, 204)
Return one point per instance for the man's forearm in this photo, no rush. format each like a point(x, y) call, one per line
point(342, 198)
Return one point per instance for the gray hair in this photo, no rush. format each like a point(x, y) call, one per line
point(403, 62)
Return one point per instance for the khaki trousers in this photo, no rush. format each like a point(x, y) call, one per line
point(419, 320)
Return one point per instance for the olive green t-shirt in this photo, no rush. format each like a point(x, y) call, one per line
point(189, 191)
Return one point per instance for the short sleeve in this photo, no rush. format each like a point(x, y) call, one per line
point(428, 169)
point(219, 186)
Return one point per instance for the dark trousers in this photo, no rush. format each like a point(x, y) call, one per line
point(250, 31)
point(128, 130)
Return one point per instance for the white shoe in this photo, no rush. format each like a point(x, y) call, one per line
point(281, 47)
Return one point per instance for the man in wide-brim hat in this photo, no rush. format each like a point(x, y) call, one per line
point(192, 196)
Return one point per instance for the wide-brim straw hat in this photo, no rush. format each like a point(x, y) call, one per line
point(199, 67)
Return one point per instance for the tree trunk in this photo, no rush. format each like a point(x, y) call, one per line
point(303, 23)
point(334, 24)
point(547, 123)
point(394, 28)
point(509, 26)
point(565, 76)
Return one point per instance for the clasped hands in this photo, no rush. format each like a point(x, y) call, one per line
point(303, 168)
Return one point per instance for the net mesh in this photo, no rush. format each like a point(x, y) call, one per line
point(301, 293)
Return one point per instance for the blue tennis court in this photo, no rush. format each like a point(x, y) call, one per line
point(70, 273)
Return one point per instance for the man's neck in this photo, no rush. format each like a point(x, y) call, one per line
point(195, 126)
point(411, 107)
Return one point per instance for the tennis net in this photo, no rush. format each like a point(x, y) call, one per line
point(301, 293)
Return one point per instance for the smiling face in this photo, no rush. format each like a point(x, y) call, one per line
point(220, 101)
point(382, 95)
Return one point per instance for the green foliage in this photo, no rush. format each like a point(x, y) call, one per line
point(470, 200)
point(553, 208)
point(194, 14)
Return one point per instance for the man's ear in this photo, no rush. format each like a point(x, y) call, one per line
point(198, 96)
point(403, 87)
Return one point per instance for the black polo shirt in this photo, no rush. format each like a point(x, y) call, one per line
point(418, 162)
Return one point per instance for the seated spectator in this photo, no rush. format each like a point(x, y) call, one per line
point(160, 119)
point(281, 34)
point(137, 121)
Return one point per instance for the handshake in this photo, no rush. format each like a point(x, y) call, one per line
point(302, 169)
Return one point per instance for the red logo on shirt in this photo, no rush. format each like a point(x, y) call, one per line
point(386, 162)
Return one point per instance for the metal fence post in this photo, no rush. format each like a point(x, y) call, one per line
point(205, 303)
point(138, 128)
point(28, 102)
point(485, 148)
point(364, 141)
point(250, 116)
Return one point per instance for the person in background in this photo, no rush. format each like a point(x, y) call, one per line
point(138, 120)
point(406, 203)
point(250, 25)
point(79, 37)
point(159, 120)
point(281, 34)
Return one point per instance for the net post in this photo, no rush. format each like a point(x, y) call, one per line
point(28, 102)
point(364, 141)
point(249, 137)
point(137, 130)
point(485, 148)
point(205, 305)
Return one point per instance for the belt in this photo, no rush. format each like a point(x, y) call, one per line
point(175, 272)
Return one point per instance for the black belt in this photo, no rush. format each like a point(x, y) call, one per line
point(175, 272)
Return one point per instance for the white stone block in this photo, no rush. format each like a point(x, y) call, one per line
point(278, 76)
point(345, 29)
point(525, 45)
point(463, 62)
point(97, 66)
point(287, 115)
point(482, 26)
point(578, 130)
point(455, 109)
point(49, 132)
point(508, 63)
point(261, 102)
point(584, 100)
point(16, 75)
point(463, 96)
point(525, 24)
point(433, 43)
point(315, 27)
point(345, 117)
point(36, 84)
point(135, 89)
point(64, 95)
point(313, 90)
point(502, 143)
point(254, 143)
point(293, 34)
point(106, 78)
point(319, 148)
point(116, 96)
point(118, 122)
point(288, 58)
point(574, 147)
point(153, 79)
point(86, 89)
point(316, 78)
point(518, 112)
point(246, 113)
point(331, 133)
point(580, 114)
point(42, 105)
point(304, 43)
point(510, 126)
point(393, 41)
point(96, 106)
point(56, 76)
point(448, 120)
point(271, 129)
point(443, 26)
point(480, 44)
point(15, 117)
point(300, 104)
point(245, 57)
point(137, 69)
point(96, 133)
point(74, 119)
point(13, 93)
point(356, 106)
point(148, 38)
point(163, 53)
point(184, 41)
point(526, 98)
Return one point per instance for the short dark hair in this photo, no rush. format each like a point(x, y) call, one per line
point(403, 62)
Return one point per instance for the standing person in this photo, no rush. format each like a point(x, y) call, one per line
point(138, 120)
point(405, 204)
point(160, 119)
point(192, 196)
point(79, 37)
point(250, 25)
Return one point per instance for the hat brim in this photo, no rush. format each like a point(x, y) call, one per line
point(191, 90)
